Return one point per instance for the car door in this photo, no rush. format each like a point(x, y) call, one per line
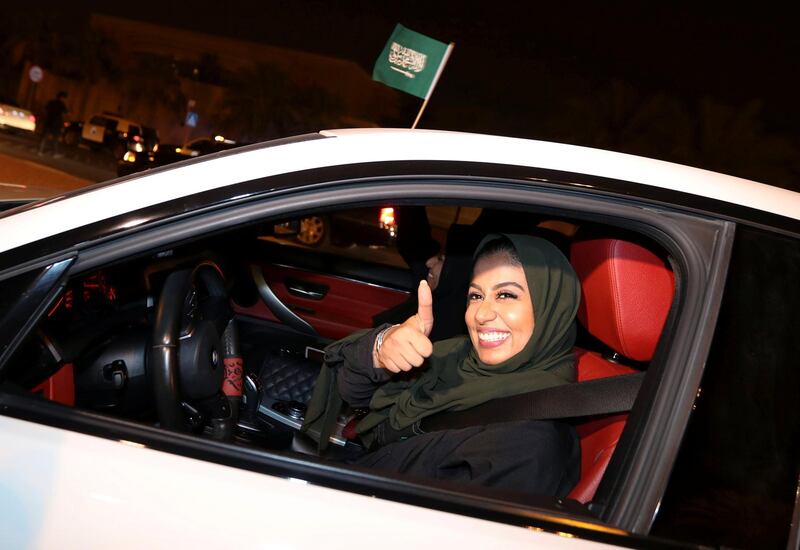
point(336, 288)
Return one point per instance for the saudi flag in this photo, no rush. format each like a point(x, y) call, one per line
point(411, 62)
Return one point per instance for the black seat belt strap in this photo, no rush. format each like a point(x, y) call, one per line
point(614, 394)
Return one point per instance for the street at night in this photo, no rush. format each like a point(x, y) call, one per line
point(312, 274)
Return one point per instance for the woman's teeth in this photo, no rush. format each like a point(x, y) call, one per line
point(492, 336)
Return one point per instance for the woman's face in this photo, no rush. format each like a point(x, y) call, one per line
point(499, 309)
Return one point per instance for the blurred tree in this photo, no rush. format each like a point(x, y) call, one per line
point(154, 79)
point(60, 43)
point(732, 139)
point(704, 132)
point(211, 71)
point(317, 108)
point(264, 103)
point(257, 106)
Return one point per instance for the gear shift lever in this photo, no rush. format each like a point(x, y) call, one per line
point(252, 395)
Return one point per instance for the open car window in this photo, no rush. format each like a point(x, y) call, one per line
point(300, 279)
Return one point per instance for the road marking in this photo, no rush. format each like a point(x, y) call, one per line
point(16, 185)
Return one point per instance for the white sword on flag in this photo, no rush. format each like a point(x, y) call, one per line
point(401, 71)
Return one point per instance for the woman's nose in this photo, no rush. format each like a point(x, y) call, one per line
point(485, 312)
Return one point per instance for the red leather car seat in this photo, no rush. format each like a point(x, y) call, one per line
point(626, 295)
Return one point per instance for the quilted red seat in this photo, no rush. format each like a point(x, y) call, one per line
point(626, 294)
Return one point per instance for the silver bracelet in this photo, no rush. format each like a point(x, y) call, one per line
point(379, 338)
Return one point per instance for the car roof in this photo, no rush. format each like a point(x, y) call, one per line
point(356, 146)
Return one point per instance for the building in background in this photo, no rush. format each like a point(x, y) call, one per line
point(188, 84)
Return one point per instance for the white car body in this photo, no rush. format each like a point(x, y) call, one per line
point(62, 489)
point(68, 490)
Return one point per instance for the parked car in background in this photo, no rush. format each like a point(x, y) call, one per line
point(113, 300)
point(368, 226)
point(167, 153)
point(16, 119)
point(150, 139)
point(206, 145)
point(110, 132)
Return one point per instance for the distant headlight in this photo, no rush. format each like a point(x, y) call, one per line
point(386, 217)
point(138, 147)
point(130, 156)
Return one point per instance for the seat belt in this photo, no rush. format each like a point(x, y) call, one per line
point(614, 394)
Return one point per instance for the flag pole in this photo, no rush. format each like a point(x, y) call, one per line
point(434, 82)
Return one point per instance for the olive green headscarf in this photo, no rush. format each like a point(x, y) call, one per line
point(456, 379)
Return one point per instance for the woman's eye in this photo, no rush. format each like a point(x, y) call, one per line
point(506, 296)
point(473, 297)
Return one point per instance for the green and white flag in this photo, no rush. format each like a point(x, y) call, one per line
point(411, 62)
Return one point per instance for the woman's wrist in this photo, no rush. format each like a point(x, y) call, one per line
point(376, 348)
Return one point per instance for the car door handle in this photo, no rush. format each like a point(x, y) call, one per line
point(303, 293)
point(303, 289)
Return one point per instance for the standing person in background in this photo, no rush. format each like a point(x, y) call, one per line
point(53, 123)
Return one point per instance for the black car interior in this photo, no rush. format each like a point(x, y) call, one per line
point(153, 339)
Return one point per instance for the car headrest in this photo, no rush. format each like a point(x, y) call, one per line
point(626, 294)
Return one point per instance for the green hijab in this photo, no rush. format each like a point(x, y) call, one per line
point(457, 379)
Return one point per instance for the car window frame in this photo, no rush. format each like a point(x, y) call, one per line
point(597, 206)
point(47, 279)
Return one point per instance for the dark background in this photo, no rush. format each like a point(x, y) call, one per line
point(713, 86)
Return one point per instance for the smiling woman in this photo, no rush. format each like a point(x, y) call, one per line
point(406, 378)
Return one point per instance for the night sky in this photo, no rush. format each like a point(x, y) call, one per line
point(615, 75)
point(734, 52)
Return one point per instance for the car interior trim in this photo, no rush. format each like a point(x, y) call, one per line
point(278, 308)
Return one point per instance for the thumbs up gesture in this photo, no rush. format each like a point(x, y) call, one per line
point(406, 346)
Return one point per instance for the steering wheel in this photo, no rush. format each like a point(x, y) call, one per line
point(194, 340)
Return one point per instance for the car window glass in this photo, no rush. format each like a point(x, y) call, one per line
point(736, 478)
point(98, 120)
point(371, 234)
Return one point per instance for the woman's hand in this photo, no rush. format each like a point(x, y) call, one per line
point(406, 346)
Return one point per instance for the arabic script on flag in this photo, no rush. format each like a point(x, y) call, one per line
point(406, 58)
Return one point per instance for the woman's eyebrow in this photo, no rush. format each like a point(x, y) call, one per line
point(499, 285)
point(508, 283)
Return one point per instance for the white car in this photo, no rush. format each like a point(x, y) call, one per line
point(113, 299)
point(16, 118)
point(108, 131)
